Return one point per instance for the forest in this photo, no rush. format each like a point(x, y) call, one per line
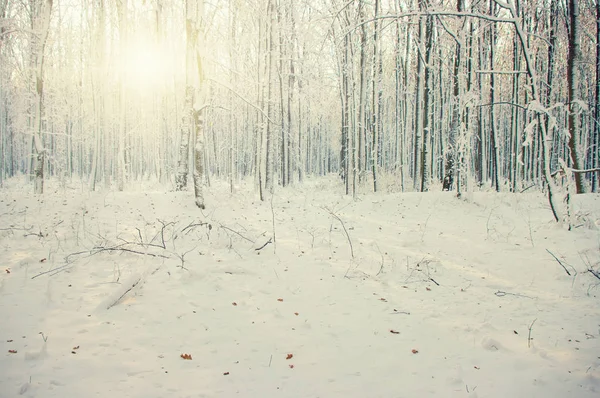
point(459, 95)
point(299, 198)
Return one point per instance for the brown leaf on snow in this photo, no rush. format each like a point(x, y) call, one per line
point(295, 313)
point(186, 356)
point(12, 351)
point(291, 366)
point(7, 271)
point(279, 299)
point(394, 332)
point(382, 299)
point(226, 374)
point(9, 341)
point(289, 356)
point(476, 367)
point(42, 260)
point(76, 348)
point(234, 304)
point(415, 351)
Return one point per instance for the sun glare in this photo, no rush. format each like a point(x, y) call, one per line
point(147, 66)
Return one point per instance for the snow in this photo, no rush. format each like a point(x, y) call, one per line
point(437, 301)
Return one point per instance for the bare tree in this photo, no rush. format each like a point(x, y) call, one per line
point(40, 14)
point(573, 61)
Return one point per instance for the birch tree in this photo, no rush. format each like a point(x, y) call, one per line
point(40, 13)
point(574, 101)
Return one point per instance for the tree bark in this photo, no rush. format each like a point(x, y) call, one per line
point(573, 60)
point(41, 28)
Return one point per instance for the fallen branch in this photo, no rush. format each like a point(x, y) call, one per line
point(235, 232)
point(57, 269)
point(266, 243)
point(560, 262)
point(595, 273)
point(500, 293)
point(134, 284)
point(529, 338)
point(343, 226)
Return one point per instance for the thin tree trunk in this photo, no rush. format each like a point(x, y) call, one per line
point(596, 141)
point(494, 132)
point(427, 108)
point(362, 128)
point(42, 27)
point(377, 96)
point(418, 117)
point(573, 61)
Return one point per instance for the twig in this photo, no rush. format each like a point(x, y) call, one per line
point(134, 284)
point(561, 264)
point(192, 225)
point(345, 230)
point(101, 249)
point(266, 243)
point(433, 280)
point(382, 259)
point(595, 273)
point(273, 222)
point(529, 338)
point(235, 232)
point(529, 187)
point(52, 270)
point(500, 293)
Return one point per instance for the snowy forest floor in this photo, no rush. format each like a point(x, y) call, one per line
point(390, 295)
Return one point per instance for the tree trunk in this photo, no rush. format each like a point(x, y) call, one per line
point(573, 61)
point(41, 27)
point(495, 169)
point(196, 19)
point(418, 115)
point(451, 150)
point(596, 141)
point(427, 108)
point(377, 97)
point(187, 120)
point(362, 128)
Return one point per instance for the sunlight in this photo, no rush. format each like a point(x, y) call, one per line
point(147, 66)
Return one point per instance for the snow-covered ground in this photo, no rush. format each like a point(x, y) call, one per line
point(388, 295)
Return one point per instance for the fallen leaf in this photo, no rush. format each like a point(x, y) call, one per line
point(42, 260)
point(12, 351)
point(394, 332)
point(515, 332)
point(7, 271)
point(76, 348)
point(73, 352)
point(186, 356)
point(428, 289)
point(291, 366)
point(9, 341)
point(279, 299)
point(234, 304)
point(476, 367)
point(289, 356)
point(415, 351)
point(295, 313)
point(226, 374)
